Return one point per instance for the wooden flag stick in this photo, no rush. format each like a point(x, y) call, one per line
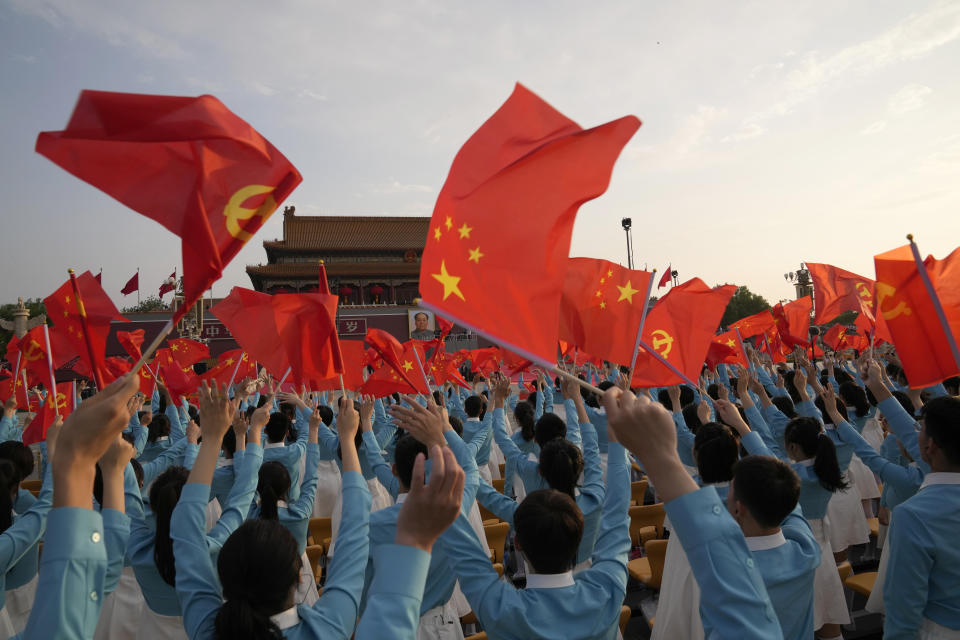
point(97, 374)
point(935, 299)
point(233, 376)
point(583, 383)
point(53, 380)
point(643, 320)
point(420, 364)
point(167, 328)
point(343, 389)
point(284, 378)
point(668, 364)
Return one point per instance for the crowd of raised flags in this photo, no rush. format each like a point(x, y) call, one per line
point(172, 504)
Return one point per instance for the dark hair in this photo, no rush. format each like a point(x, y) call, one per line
point(548, 427)
point(895, 372)
point(9, 484)
point(561, 464)
point(194, 414)
point(952, 385)
point(691, 418)
point(785, 405)
point(277, 427)
point(686, 397)
point(272, 485)
point(229, 442)
point(164, 494)
point(405, 455)
point(854, 396)
point(524, 413)
point(904, 401)
point(713, 390)
point(19, 454)
point(549, 527)
point(288, 410)
point(941, 423)
point(326, 414)
point(258, 566)
point(158, 428)
point(790, 387)
point(137, 471)
point(841, 376)
point(767, 487)
point(822, 406)
point(807, 433)
point(473, 406)
point(457, 425)
point(438, 398)
point(716, 451)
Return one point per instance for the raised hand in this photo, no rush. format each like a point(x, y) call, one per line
point(426, 424)
point(429, 509)
point(193, 432)
point(730, 415)
point(216, 412)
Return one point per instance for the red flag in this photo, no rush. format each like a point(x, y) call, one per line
point(133, 284)
point(99, 277)
point(500, 235)
point(188, 163)
point(602, 306)
point(115, 367)
point(392, 352)
point(323, 283)
point(405, 379)
point(836, 290)
point(353, 354)
point(131, 341)
point(445, 326)
point(57, 400)
point(793, 321)
point(754, 325)
point(248, 315)
point(443, 366)
point(335, 346)
point(67, 335)
point(665, 279)
point(926, 347)
point(179, 381)
point(168, 285)
point(147, 380)
point(726, 349)
point(484, 361)
point(231, 365)
point(187, 352)
point(680, 328)
point(513, 363)
point(834, 336)
point(14, 384)
point(33, 356)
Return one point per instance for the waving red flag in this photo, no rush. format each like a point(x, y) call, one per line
point(58, 401)
point(926, 343)
point(754, 325)
point(484, 270)
point(133, 284)
point(602, 307)
point(793, 321)
point(665, 278)
point(354, 356)
point(33, 356)
point(485, 361)
point(131, 341)
point(180, 381)
point(726, 349)
point(680, 328)
point(188, 163)
point(445, 326)
point(836, 290)
point(392, 352)
point(187, 352)
point(406, 379)
point(443, 367)
point(229, 362)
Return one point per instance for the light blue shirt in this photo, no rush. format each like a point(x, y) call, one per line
point(23, 535)
point(291, 454)
point(296, 516)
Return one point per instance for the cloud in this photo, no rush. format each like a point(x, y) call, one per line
point(747, 131)
point(395, 186)
point(695, 129)
point(874, 127)
point(25, 58)
point(910, 98)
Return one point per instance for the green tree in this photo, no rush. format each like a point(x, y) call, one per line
point(847, 317)
point(153, 303)
point(743, 303)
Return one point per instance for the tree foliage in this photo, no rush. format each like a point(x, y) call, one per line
point(153, 303)
point(743, 303)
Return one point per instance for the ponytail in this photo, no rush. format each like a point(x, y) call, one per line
point(274, 483)
point(159, 426)
point(561, 464)
point(856, 397)
point(258, 567)
point(164, 495)
point(807, 433)
point(9, 482)
point(524, 414)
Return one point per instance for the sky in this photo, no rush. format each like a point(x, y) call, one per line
point(774, 132)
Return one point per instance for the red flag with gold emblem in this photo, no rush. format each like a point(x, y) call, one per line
point(926, 345)
point(680, 328)
point(754, 325)
point(59, 401)
point(836, 290)
point(443, 367)
point(726, 349)
point(602, 307)
point(834, 337)
point(33, 356)
point(187, 352)
point(406, 378)
point(188, 163)
point(228, 363)
point(793, 321)
point(499, 238)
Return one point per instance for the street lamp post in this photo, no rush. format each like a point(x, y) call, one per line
point(627, 224)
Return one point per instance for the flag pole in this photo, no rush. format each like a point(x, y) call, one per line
point(419, 364)
point(53, 380)
point(97, 374)
point(743, 350)
point(235, 369)
point(643, 320)
point(569, 376)
point(138, 286)
point(667, 363)
point(941, 315)
point(167, 328)
point(284, 378)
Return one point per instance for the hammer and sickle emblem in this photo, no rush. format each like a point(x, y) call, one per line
point(61, 401)
point(863, 290)
point(235, 214)
point(662, 339)
point(33, 351)
point(885, 291)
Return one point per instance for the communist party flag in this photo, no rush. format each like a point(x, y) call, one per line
point(60, 401)
point(836, 290)
point(926, 345)
point(187, 352)
point(407, 379)
point(131, 341)
point(499, 238)
point(602, 307)
point(33, 356)
point(793, 321)
point(231, 365)
point(754, 325)
point(726, 349)
point(67, 334)
point(680, 328)
point(188, 163)
point(834, 337)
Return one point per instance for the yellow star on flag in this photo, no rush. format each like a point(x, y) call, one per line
point(731, 343)
point(174, 346)
point(602, 280)
point(436, 233)
point(465, 231)
point(228, 361)
point(626, 292)
point(451, 284)
point(475, 255)
point(448, 223)
point(610, 273)
point(407, 365)
point(603, 305)
point(599, 293)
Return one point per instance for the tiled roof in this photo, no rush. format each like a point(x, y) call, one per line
point(340, 269)
point(352, 233)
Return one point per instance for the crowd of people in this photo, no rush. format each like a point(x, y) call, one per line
point(169, 517)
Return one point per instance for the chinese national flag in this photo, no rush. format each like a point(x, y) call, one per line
point(773, 346)
point(353, 354)
point(392, 352)
point(445, 326)
point(601, 308)
point(188, 163)
point(187, 352)
point(66, 335)
point(680, 328)
point(923, 344)
point(133, 284)
point(407, 379)
point(725, 349)
point(131, 341)
point(754, 325)
point(443, 367)
point(248, 315)
point(835, 335)
point(499, 238)
point(484, 361)
point(513, 363)
point(227, 364)
point(36, 431)
point(793, 321)
point(180, 381)
point(836, 290)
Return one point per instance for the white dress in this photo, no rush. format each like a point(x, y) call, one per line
point(848, 524)
point(328, 488)
point(863, 478)
point(121, 610)
point(20, 602)
point(678, 608)
point(829, 601)
point(380, 499)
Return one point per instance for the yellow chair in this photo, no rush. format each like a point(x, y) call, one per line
point(625, 614)
point(638, 491)
point(862, 583)
point(486, 514)
point(649, 568)
point(497, 539)
point(314, 555)
point(502, 469)
point(649, 515)
point(477, 636)
point(845, 569)
point(498, 484)
point(874, 524)
point(320, 532)
point(33, 486)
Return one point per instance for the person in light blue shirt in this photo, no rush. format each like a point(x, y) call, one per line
point(277, 430)
point(9, 430)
